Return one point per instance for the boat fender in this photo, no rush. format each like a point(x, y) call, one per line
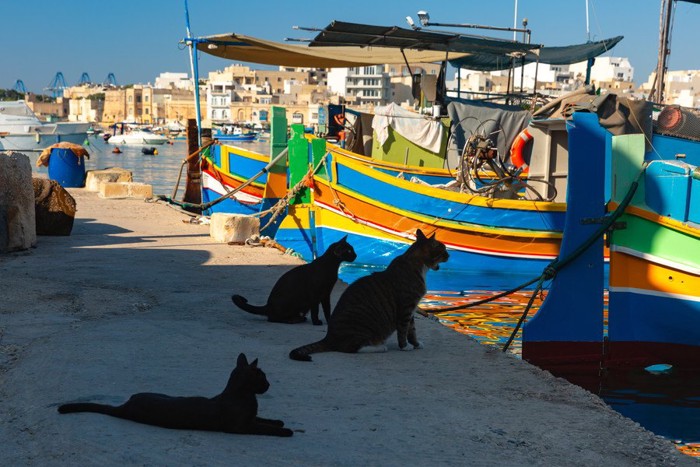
point(516, 150)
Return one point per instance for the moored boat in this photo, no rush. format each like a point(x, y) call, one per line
point(21, 129)
point(137, 137)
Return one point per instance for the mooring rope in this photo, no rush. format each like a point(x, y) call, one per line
point(282, 204)
point(230, 194)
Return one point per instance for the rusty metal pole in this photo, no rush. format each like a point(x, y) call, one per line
point(193, 187)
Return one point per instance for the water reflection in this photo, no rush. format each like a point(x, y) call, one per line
point(667, 404)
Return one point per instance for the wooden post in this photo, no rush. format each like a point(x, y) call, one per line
point(193, 187)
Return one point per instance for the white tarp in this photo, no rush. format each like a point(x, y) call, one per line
point(419, 129)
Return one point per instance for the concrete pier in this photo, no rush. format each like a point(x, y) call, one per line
point(137, 299)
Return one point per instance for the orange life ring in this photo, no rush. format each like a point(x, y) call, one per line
point(516, 150)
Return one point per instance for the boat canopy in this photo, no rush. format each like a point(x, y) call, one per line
point(481, 53)
point(551, 55)
point(365, 35)
point(250, 49)
point(342, 44)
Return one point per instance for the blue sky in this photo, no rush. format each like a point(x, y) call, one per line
point(138, 39)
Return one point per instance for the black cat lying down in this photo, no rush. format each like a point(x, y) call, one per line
point(303, 288)
point(375, 306)
point(233, 411)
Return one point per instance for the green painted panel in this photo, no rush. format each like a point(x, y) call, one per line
point(627, 162)
point(298, 162)
point(318, 150)
point(649, 237)
point(399, 150)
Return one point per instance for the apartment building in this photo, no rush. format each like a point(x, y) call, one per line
point(613, 73)
point(682, 87)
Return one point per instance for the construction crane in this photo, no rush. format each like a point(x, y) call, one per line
point(19, 87)
point(110, 80)
point(85, 79)
point(57, 85)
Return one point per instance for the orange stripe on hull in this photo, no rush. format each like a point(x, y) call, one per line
point(498, 242)
point(628, 271)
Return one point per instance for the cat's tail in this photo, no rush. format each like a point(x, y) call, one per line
point(88, 407)
point(303, 353)
point(242, 303)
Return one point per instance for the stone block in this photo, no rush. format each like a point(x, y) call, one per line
point(233, 228)
point(115, 190)
point(54, 208)
point(114, 174)
point(17, 217)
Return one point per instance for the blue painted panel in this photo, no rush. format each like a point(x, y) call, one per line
point(246, 167)
point(446, 209)
point(667, 188)
point(573, 309)
point(647, 318)
point(230, 205)
point(694, 203)
point(668, 147)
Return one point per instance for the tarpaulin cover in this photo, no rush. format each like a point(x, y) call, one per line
point(551, 55)
point(366, 35)
point(250, 49)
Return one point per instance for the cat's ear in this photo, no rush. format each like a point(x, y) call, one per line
point(254, 363)
point(432, 236)
point(420, 235)
point(344, 239)
point(242, 361)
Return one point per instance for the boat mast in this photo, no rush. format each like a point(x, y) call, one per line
point(665, 20)
point(192, 43)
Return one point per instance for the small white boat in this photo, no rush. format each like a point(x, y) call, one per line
point(138, 137)
point(21, 129)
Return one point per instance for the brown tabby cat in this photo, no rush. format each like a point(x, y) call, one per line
point(233, 411)
point(303, 288)
point(375, 306)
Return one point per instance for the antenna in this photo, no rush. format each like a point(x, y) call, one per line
point(588, 29)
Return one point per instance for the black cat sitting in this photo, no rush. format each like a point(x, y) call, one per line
point(233, 411)
point(303, 288)
point(375, 306)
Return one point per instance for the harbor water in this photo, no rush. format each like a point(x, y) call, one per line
point(666, 403)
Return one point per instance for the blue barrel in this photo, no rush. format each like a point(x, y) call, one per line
point(67, 168)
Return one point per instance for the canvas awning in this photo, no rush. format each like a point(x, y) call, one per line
point(250, 49)
point(341, 45)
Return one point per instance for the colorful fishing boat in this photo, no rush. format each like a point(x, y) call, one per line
point(653, 314)
point(506, 230)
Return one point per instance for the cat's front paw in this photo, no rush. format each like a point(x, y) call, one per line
point(317, 322)
point(418, 345)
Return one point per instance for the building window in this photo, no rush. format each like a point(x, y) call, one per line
point(131, 99)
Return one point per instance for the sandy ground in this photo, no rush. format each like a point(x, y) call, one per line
point(135, 300)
